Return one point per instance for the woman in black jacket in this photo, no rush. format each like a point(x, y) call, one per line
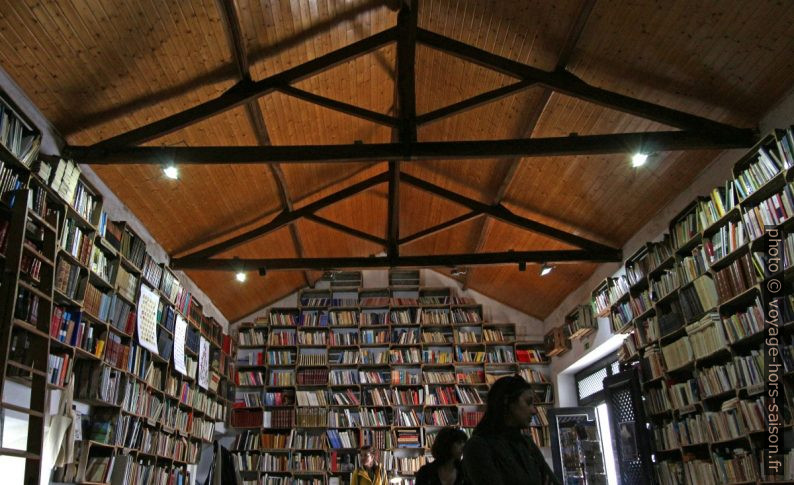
point(445, 468)
point(497, 453)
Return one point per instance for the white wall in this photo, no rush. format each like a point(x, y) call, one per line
point(715, 174)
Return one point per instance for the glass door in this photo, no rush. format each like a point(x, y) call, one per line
point(576, 446)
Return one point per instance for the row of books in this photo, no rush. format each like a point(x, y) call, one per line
point(67, 278)
point(18, 138)
point(76, 241)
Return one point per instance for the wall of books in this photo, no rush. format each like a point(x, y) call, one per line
point(387, 367)
point(692, 307)
point(86, 307)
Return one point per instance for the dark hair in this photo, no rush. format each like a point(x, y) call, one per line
point(442, 446)
point(503, 392)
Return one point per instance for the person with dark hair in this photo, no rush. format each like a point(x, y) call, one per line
point(498, 453)
point(445, 468)
point(370, 472)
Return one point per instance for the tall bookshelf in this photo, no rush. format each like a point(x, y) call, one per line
point(27, 250)
point(389, 368)
point(696, 324)
point(71, 285)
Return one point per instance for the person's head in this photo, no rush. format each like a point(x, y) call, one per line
point(448, 445)
point(511, 404)
point(367, 456)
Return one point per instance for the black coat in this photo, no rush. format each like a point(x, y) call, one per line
point(505, 458)
point(428, 474)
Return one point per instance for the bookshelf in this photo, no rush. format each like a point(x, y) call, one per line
point(698, 333)
point(400, 366)
point(580, 322)
point(27, 305)
point(558, 341)
point(71, 287)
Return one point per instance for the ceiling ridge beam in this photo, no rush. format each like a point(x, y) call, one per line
point(503, 214)
point(286, 217)
point(246, 90)
point(569, 84)
point(655, 141)
point(342, 107)
point(432, 260)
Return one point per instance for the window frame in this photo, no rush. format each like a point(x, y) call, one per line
point(604, 363)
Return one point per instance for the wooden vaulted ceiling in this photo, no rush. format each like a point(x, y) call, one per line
point(102, 67)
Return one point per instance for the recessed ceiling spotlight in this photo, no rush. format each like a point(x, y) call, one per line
point(546, 269)
point(240, 276)
point(171, 171)
point(639, 159)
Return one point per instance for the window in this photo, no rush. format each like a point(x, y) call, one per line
point(590, 381)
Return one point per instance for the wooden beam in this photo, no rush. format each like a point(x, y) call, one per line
point(286, 217)
point(405, 101)
point(440, 227)
point(425, 261)
point(407, 19)
point(393, 222)
point(346, 229)
point(429, 150)
point(345, 108)
point(567, 83)
point(473, 102)
point(247, 90)
point(504, 215)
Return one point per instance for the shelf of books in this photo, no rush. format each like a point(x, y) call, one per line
point(695, 321)
point(387, 367)
point(72, 328)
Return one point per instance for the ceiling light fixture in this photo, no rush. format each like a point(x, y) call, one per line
point(546, 269)
point(639, 159)
point(171, 171)
point(240, 276)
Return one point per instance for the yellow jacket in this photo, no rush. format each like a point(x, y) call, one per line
point(360, 477)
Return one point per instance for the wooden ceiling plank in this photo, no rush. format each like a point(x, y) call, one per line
point(245, 91)
point(237, 46)
point(571, 85)
point(287, 217)
point(565, 54)
point(42, 41)
point(503, 214)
